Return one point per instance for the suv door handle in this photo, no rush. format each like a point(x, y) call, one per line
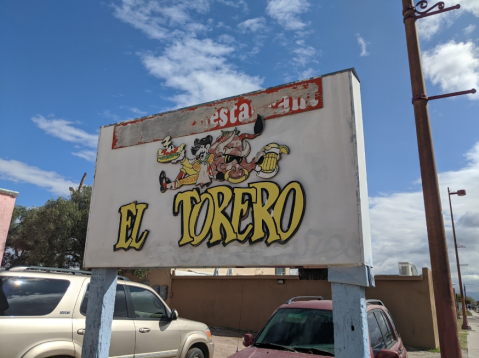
point(144, 330)
point(81, 331)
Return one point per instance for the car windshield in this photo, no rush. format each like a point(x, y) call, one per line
point(303, 330)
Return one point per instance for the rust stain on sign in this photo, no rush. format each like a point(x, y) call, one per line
point(271, 103)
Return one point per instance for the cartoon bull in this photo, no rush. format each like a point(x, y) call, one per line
point(230, 152)
point(225, 160)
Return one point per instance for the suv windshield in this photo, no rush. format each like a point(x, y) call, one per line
point(303, 330)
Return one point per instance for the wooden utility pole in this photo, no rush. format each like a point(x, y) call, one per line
point(441, 273)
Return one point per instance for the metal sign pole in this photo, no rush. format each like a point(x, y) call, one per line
point(445, 303)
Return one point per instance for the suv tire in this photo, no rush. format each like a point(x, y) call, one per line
point(194, 353)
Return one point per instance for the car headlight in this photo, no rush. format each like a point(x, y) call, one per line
point(208, 333)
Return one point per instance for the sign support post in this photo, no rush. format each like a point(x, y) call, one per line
point(351, 338)
point(99, 314)
point(348, 287)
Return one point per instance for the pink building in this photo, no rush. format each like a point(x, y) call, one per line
point(7, 202)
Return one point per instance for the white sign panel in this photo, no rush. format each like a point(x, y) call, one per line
point(270, 178)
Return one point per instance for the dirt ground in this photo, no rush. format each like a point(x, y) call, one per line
point(228, 340)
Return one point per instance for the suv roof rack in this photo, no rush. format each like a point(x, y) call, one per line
point(375, 302)
point(56, 269)
point(291, 300)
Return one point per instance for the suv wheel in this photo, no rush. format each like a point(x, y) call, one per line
point(195, 353)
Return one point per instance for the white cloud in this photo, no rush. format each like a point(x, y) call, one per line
point(89, 155)
point(154, 18)
point(304, 55)
point(398, 225)
point(64, 130)
point(227, 39)
point(471, 6)
point(106, 113)
point(235, 3)
point(429, 26)
point(363, 45)
point(252, 25)
point(134, 110)
point(200, 71)
point(16, 171)
point(469, 29)
point(287, 12)
point(197, 69)
point(453, 66)
point(308, 73)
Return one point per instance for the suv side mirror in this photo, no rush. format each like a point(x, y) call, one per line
point(247, 339)
point(174, 314)
point(386, 353)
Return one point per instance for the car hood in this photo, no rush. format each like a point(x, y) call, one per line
point(253, 352)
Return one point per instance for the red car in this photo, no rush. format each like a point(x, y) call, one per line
point(306, 327)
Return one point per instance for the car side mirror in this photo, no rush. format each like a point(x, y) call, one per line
point(386, 353)
point(247, 339)
point(174, 314)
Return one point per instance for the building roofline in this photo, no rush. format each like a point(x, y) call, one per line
point(9, 192)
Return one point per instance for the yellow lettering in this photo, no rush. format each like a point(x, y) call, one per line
point(240, 212)
point(138, 244)
point(198, 239)
point(185, 200)
point(261, 212)
point(297, 210)
point(264, 200)
point(131, 216)
point(221, 228)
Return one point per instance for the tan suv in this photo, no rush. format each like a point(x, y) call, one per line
point(42, 314)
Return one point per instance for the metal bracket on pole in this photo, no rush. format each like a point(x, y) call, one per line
point(453, 94)
point(423, 4)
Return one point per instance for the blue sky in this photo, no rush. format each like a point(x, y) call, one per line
point(70, 67)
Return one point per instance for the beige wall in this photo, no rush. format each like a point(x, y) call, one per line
point(410, 299)
point(218, 301)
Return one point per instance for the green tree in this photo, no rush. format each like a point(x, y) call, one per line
point(468, 300)
point(51, 235)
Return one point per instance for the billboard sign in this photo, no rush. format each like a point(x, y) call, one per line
point(275, 177)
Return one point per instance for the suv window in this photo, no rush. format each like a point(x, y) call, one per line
point(305, 330)
point(375, 335)
point(385, 328)
point(30, 296)
point(391, 319)
point(146, 304)
point(120, 310)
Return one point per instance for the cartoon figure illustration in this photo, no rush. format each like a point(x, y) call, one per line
point(224, 160)
point(194, 171)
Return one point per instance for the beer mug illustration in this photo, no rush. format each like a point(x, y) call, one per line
point(267, 165)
